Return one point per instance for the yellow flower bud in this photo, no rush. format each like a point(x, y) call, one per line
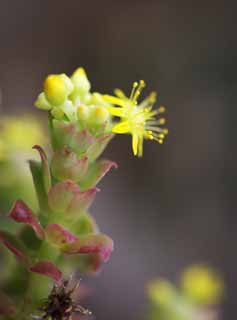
point(83, 112)
point(99, 115)
point(56, 89)
point(80, 81)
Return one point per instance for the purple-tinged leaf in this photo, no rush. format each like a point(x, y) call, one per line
point(48, 269)
point(23, 214)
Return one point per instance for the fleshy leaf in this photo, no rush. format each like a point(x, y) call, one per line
point(65, 165)
point(90, 263)
point(99, 146)
point(69, 134)
point(66, 197)
point(58, 235)
point(96, 172)
point(36, 171)
point(92, 243)
point(45, 168)
point(47, 269)
point(84, 225)
point(14, 245)
point(23, 214)
point(82, 201)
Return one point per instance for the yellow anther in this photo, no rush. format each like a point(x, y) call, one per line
point(162, 121)
point(165, 131)
point(134, 86)
point(152, 97)
point(161, 109)
point(142, 84)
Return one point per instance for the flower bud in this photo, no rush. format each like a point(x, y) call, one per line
point(42, 103)
point(83, 113)
point(80, 81)
point(99, 115)
point(57, 87)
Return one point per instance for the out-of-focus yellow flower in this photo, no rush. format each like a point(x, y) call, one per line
point(202, 284)
point(139, 120)
point(18, 134)
point(161, 291)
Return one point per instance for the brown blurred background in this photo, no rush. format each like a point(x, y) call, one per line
point(176, 205)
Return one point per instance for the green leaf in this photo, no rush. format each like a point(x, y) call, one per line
point(36, 171)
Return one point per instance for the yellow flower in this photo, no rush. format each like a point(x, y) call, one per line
point(202, 285)
point(139, 120)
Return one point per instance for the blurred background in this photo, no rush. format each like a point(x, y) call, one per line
point(176, 205)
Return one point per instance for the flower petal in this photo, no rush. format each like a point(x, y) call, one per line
point(114, 100)
point(135, 144)
point(96, 172)
point(14, 245)
point(48, 269)
point(92, 243)
point(115, 111)
point(121, 127)
point(23, 214)
point(59, 235)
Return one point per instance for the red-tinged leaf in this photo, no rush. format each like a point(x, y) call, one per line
point(92, 243)
point(14, 245)
point(45, 168)
point(66, 197)
point(70, 135)
point(82, 201)
point(59, 235)
point(23, 214)
point(61, 195)
point(48, 269)
point(97, 148)
point(65, 165)
point(96, 172)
